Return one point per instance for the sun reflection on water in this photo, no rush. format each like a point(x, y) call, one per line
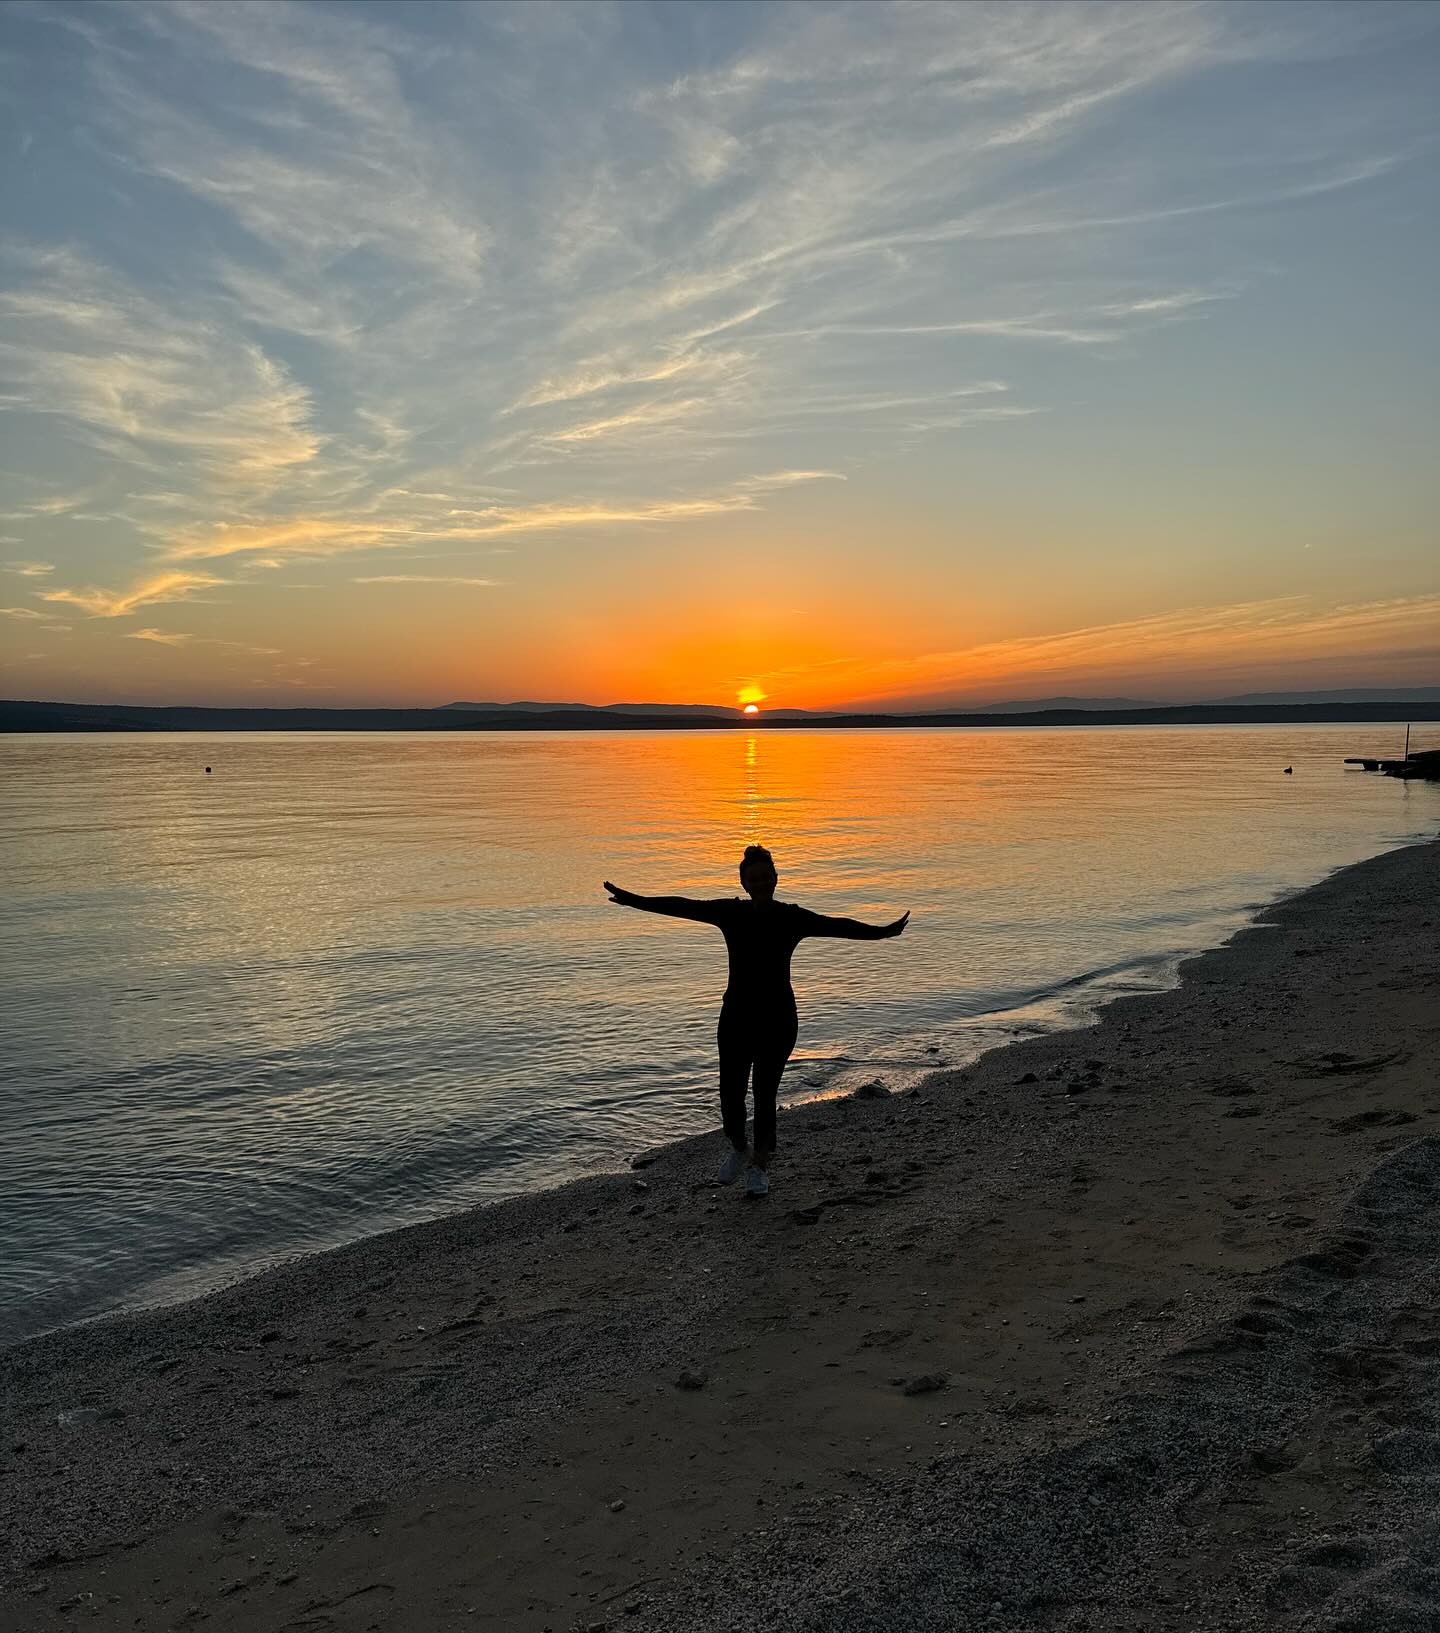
point(350, 980)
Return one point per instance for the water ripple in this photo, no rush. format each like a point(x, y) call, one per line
point(350, 981)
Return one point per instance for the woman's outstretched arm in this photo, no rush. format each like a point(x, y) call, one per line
point(675, 907)
point(819, 924)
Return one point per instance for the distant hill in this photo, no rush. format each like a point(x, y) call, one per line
point(625, 708)
point(1416, 703)
point(1038, 705)
point(1013, 706)
point(19, 716)
point(614, 708)
point(1352, 694)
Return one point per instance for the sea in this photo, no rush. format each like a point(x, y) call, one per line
point(266, 993)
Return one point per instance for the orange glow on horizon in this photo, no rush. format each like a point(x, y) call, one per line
point(824, 655)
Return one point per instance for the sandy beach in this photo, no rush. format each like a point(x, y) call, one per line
point(1131, 1327)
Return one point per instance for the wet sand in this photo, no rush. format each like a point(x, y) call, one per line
point(1127, 1327)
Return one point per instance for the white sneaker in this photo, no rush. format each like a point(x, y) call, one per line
point(732, 1167)
point(757, 1182)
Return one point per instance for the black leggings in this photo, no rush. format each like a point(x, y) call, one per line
point(758, 1039)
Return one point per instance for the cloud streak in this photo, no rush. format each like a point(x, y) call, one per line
point(423, 578)
point(163, 637)
point(1267, 631)
point(401, 528)
point(143, 383)
point(157, 588)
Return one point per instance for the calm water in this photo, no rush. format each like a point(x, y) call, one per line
point(351, 981)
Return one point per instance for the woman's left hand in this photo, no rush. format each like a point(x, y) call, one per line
point(899, 924)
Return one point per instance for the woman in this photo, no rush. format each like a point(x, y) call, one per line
point(757, 1019)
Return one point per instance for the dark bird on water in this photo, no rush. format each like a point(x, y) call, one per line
point(1289, 770)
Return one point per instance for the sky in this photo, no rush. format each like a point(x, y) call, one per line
point(884, 355)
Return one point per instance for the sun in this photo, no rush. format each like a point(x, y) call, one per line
point(751, 708)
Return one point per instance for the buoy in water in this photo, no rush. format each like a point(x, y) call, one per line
point(207, 770)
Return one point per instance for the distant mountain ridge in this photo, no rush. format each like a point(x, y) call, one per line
point(615, 708)
point(1031, 705)
point(1026, 705)
point(1352, 694)
point(1099, 705)
point(21, 716)
point(621, 708)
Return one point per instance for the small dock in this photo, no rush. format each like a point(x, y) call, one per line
point(1424, 765)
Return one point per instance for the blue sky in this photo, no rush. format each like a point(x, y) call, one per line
point(840, 353)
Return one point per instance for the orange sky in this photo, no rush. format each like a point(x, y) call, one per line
point(1083, 350)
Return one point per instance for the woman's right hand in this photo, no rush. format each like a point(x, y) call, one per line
point(621, 898)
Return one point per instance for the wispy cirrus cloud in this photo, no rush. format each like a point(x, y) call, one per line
point(55, 505)
point(424, 578)
point(30, 569)
point(149, 591)
point(323, 297)
point(164, 637)
point(643, 417)
point(327, 159)
point(37, 620)
point(321, 151)
point(143, 383)
point(404, 527)
point(1265, 632)
point(159, 636)
point(600, 374)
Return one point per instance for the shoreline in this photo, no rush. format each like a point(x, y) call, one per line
point(355, 1420)
point(173, 1289)
point(20, 717)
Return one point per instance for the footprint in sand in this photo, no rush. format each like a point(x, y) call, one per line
point(1321, 1572)
point(1336, 1063)
point(1407, 1453)
point(1382, 1117)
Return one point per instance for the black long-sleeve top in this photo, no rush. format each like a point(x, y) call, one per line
point(760, 940)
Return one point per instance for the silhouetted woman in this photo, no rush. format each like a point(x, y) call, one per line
point(757, 1019)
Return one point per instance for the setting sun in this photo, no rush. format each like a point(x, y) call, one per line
point(751, 708)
